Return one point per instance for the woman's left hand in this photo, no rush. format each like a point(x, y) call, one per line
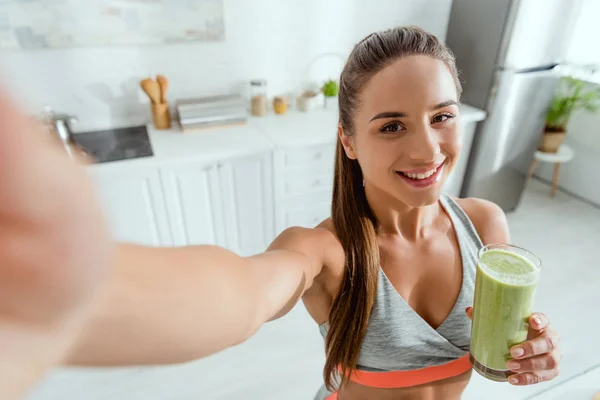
point(537, 359)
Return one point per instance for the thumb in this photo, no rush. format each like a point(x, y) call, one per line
point(469, 312)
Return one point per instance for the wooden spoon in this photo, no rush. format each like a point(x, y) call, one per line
point(164, 86)
point(152, 89)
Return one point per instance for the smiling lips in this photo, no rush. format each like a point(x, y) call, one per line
point(422, 178)
point(421, 175)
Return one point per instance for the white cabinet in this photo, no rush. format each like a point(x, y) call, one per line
point(134, 205)
point(194, 204)
point(303, 178)
point(247, 192)
point(228, 204)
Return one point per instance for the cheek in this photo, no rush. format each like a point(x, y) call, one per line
point(377, 156)
point(452, 141)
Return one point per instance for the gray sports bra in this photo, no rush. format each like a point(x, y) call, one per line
point(397, 338)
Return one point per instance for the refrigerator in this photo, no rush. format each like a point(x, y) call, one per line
point(509, 54)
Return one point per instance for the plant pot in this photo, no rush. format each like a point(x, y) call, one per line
point(330, 102)
point(308, 101)
point(551, 141)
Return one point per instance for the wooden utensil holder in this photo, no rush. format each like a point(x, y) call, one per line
point(161, 116)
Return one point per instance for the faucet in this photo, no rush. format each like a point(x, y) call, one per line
point(60, 126)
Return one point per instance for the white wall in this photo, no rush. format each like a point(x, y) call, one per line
point(584, 48)
point(271, 39)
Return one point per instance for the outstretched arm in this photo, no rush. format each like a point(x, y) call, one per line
point(66, 292)
point(171, 305)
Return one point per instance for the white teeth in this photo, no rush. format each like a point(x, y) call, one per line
point(420, 176)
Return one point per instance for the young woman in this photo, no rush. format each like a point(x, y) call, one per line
point(387, 278)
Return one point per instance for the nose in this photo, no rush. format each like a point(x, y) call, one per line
point(424, 146)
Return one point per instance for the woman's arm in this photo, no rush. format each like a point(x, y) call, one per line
point(171, 305)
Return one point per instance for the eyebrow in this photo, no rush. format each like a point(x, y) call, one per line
point(444, 104)
point(389, 114)
point(397, 114)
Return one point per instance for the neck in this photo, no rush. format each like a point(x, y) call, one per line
point(397, 218)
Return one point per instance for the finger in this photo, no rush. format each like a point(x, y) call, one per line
point(530, 378)
point(469, 312)
point(537, 323)
point(544, 362)
point(545, 343)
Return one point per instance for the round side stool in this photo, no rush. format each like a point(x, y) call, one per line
point(563, 155)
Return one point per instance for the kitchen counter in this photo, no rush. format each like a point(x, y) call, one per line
point(294, 129)
point(173, 146)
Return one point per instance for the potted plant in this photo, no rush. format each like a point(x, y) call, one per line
point(572, 96)
point(307, 100)
point(330, 90)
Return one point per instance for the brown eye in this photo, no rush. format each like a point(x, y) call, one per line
point(392, 127)
point(442, 118)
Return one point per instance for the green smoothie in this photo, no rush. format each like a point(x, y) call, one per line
point(504, 290)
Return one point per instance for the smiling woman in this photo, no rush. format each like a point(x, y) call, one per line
point(387, 278)
point(400, 135)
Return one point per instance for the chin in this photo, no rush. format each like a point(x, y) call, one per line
point(425, 198)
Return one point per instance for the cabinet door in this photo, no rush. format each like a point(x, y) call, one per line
point(194, 204)
point(247, 190)
point(134, 205)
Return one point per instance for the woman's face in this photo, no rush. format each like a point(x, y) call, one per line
point(407, 130)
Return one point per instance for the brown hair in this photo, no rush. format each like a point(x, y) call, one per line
point(354, 222)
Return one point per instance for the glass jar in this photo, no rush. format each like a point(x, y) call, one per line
point(258, 97)
point(280, 105)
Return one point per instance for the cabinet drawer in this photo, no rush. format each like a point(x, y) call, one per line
point(318, 156)
point(308, 216)
point(301, 184)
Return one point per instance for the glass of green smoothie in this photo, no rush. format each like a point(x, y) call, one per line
point(505, 285)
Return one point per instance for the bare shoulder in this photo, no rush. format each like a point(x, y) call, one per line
point(488, 218)
point(320, 244)
point(336, 255)
point(307, 240)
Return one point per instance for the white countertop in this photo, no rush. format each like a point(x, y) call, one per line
point(291, 130)
point(173, 146)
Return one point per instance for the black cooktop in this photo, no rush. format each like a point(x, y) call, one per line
point(116, 144)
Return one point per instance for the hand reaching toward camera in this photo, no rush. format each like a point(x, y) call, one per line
point(54, 251)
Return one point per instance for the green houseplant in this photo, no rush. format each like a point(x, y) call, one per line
point(330, 90)
point(572, 95)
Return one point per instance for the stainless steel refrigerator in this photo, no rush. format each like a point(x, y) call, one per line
point(509, 55)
